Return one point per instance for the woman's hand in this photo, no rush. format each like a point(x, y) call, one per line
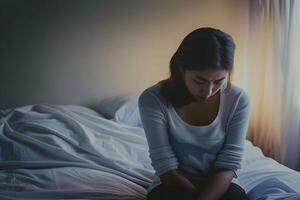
point(172, 178)
point(216, 186)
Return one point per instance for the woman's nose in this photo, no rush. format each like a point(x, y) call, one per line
point(208, 90)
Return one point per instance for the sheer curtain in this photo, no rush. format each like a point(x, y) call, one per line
point(271, 76)
point(291, 114)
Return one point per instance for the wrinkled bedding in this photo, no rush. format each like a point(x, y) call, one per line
point(72, 152)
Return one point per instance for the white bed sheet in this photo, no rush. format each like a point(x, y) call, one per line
point(72, 152)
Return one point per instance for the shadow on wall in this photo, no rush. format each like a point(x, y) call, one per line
point(78, 52)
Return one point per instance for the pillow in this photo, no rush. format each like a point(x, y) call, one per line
point(109, 106)
point(122, 109)
point(129, 113)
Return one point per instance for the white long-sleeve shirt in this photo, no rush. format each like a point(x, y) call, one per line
point(194, 150)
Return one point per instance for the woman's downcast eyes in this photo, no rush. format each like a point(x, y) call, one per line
point(199, 82)
point(203, 82)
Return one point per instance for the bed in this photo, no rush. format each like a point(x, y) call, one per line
point(73, 152)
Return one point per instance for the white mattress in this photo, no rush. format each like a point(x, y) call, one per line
point(72, 152)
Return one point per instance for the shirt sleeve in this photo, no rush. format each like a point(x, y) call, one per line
point(230, 156)
point(155, 125)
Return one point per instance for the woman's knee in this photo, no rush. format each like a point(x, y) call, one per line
point(235, 192)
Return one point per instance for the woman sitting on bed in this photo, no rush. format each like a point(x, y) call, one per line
point(196, 122)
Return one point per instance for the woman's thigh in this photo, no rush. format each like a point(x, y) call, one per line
point(162, 192)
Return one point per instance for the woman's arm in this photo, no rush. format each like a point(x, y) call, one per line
point(230, 156)
point(216, 185)
point(162, 155)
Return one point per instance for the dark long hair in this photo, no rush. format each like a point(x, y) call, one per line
point(203, 48)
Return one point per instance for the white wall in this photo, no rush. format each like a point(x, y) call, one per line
point(79, 52)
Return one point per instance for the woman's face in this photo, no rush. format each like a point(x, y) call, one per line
point(203, 84)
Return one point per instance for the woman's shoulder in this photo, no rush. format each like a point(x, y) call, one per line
point(237, 92)
point(153, 95)
point(154, 89)
point(236, 96)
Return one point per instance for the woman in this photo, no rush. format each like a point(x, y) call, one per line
point(196, 121)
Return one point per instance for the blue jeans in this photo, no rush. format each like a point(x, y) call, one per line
point(163, 192)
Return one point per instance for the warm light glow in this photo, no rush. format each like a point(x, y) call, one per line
point(260, 78)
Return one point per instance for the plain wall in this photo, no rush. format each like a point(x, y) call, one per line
point(79, 52)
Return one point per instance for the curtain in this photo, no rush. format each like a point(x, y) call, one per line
point(271, 76)
point(291, 114)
